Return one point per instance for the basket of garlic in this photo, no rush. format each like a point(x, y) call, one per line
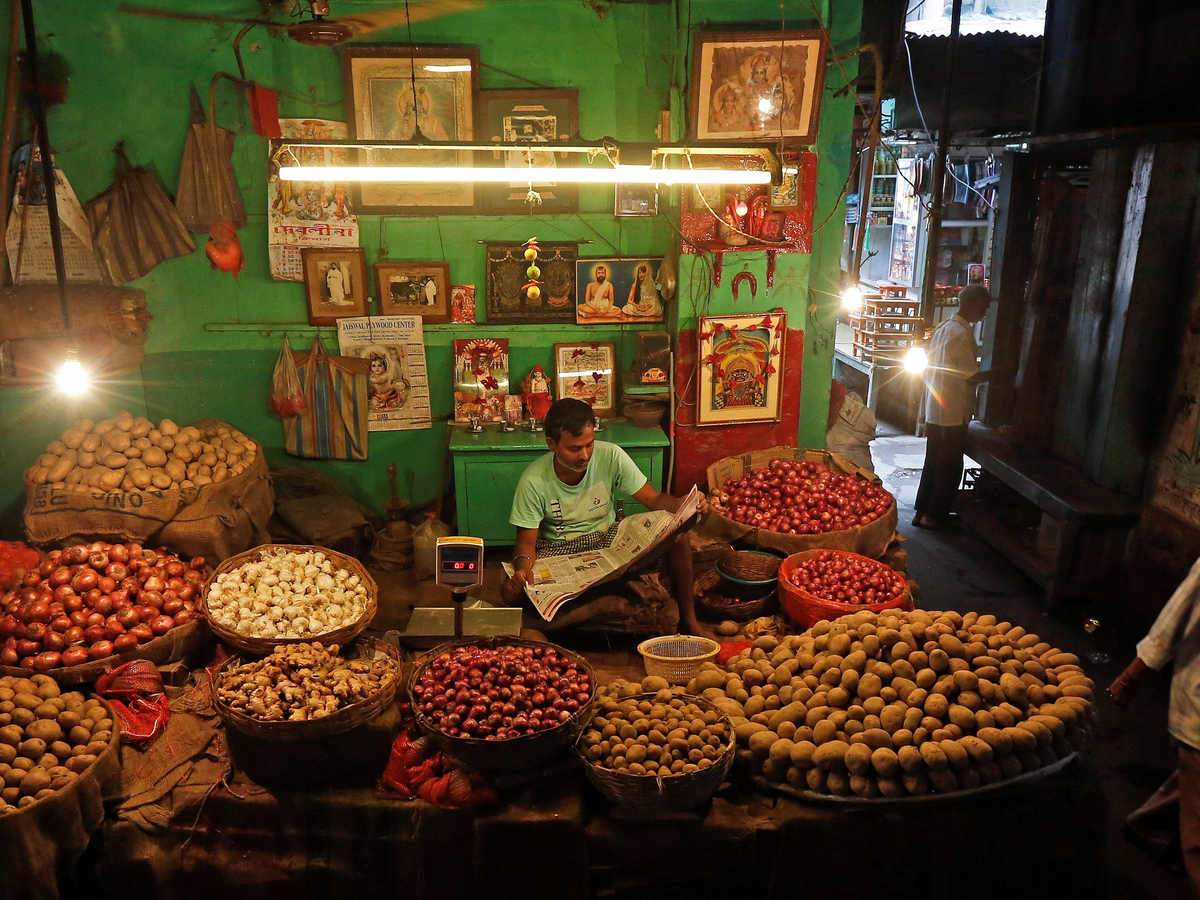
point(288, 594)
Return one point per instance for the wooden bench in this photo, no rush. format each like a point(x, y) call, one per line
point(1077, 549)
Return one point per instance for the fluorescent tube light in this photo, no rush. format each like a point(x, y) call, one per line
point(496, 175)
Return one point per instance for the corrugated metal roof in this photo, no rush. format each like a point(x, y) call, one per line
point(1031, 25)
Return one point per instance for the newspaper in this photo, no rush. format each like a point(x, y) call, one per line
point(559, 579)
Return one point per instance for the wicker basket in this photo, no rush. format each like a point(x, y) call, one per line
point(807, 609)
point(750, 565)
point(343, 720)
point(654, 793)
point(263, 646)
point(677, 657)
point(516, 754)
point(737, 610)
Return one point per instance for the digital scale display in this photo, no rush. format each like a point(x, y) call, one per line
point(459, 562)
point(453, 566)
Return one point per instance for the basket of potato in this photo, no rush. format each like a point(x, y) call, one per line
point(201, 488)
point(650, 748)
point(48, 740)
point(902, 704)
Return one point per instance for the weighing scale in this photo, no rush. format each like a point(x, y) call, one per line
point(459, 566)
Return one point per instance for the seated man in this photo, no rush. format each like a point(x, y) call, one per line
point(570, 493)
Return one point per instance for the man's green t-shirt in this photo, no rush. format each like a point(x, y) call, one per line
point(563, 512)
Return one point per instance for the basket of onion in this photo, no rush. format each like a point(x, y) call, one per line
point(794, 500)
point(91, 607)
point(501, 704)
point(827, 584)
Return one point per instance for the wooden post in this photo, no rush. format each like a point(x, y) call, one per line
point(7, 136)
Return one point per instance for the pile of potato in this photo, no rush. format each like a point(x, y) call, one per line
point(668, 735)
point(47, 738)
point(902, 703)
point(133, 454)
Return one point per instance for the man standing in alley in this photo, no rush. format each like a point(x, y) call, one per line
point(951, 377)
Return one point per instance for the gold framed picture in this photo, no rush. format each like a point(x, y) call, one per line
point(414, 289)
point(587, 372)
point(741, 368)
point(392, 93)
point(335, 283)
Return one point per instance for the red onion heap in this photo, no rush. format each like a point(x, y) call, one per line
point(93, 601)
point(847, 578)
point(501, 693)
point(799, 497)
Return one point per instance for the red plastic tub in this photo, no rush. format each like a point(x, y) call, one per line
point(807, 609)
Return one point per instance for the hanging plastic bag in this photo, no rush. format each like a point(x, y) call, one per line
point(287, 396)
point(208, 188)
point(134, 225)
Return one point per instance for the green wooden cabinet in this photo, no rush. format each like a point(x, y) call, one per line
point(488, 466)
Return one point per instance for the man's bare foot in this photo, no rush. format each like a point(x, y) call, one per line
point(694, 627)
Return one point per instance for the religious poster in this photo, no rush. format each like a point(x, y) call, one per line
point(309, 213)
point(462, 304)
point(533, 119)
point(398, 382)
point(741, 368)
point(617, 290)
point(480, 379)
point(585, 372)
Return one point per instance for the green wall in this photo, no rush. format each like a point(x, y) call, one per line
point(213, 341)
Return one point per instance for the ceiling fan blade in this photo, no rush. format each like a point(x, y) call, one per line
point(369, 22)
point(153, 12)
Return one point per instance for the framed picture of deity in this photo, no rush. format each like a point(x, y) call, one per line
point(401, 94)
point(534, 121)
point(507, 298)
point(587, 372)
point(741, 368)
point(758, 85)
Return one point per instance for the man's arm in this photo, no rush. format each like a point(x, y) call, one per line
point(652, 499)
point(524, 556)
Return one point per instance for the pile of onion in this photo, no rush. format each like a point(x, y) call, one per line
point(799, 497)
point(93, 601)
point(500, 693)
point(847, 578)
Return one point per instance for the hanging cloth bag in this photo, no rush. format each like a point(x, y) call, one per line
point(208, 188)
point(134, 224)
point(333, 423)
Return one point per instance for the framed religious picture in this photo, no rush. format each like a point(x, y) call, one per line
point(587, 372)
point(480, 379)
point(462, 304)
point(636, 200)
point(617, 290)
point(507, 299)
point(757, 85)
point(413, 289)
point(534, 120)
point(392, 93)
point(335, 283)
point(786, 195)
point(741, 368)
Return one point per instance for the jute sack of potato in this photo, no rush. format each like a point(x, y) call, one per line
point(870, 540)
point(203, 489)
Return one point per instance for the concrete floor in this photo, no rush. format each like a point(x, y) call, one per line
point(1131, 751)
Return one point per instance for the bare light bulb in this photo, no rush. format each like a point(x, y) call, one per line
point(852, 298)
point(71, 378)
point(741, 208)
point(915, 361)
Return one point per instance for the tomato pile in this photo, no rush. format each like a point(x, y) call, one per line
point(501, 693)
point(847, 578)
point(798, 497)
point(92, 601)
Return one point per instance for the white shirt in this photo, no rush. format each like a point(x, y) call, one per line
point(1176, 635)
point(952, 352)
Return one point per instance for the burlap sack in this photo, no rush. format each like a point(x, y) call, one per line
point(214, 521)
point(870, 540)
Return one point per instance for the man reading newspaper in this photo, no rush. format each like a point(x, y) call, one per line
point(566, 503)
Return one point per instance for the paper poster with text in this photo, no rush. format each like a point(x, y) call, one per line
point(398, 383)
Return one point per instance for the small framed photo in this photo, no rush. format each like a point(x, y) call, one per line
point(741, 368)
point(786, 194)
point(335, 283)
point(414, 289)
point(587, 372)
point(636, 200)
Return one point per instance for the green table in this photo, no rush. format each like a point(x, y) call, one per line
point(488, 466)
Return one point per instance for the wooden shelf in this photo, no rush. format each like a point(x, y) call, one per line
point(1018, 545)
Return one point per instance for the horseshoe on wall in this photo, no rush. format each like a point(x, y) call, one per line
point(738, 279)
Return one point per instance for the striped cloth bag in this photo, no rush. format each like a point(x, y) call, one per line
point(333, 424)
point(134, 224)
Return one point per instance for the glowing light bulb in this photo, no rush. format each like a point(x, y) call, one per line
point(741, 208)
point(764, 104)
point(915, 361)
point(852, 298)
point(71, 378)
